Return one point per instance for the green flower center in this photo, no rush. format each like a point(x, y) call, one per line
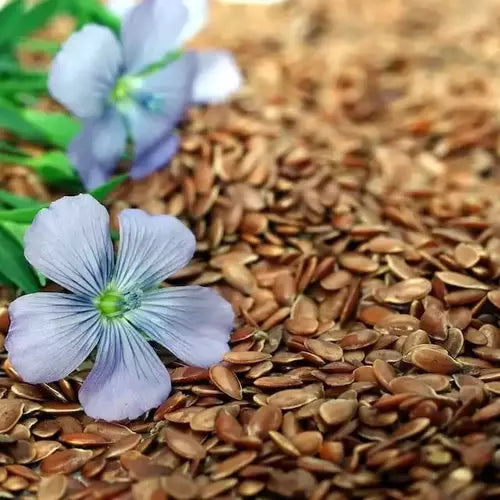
point(113, 304)
point(123, 89)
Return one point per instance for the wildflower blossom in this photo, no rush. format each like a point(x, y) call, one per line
point(116, 307)
point(137, 87)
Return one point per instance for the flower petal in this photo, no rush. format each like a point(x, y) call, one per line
point(217, 77)
point(50, 335)
point(69, 243)
point(151, 30)
point(155, 158)
point(160, 102)
point(96, 150)
point(196, 19)
point(85, 70)
point(152, 247)
point(120, 7)
point(193, 322)
point(127, 379)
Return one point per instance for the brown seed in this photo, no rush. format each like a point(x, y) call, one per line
point(227, 428)
point(52, 487)
point(336, 280)
point(251, 488)
point(83, 439)
point(405, 291)
point(109, 431)
point(211, 490)
point(123, 445)
point(358, 263)
point(225, 380)
point(338, 411)
point(359, 339)
point(410, 429)
point(10, 412)
point(461, 280)
point(326, 350)
point(183, 444)
point(233, 464)
point(284, 444)
point(291, 398)
point(302, 325)
point(180, 486)
point(65, 461)
point(433, 361)
point(488, 412)
point(43, 449)
point(267, 418)
point(246, 357)
point(494, 297)
point(488, 353)
point(467, 255)
point(308, 443)
point(278, 382)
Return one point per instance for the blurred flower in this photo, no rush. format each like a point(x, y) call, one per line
point(137, 87)
point(116, 307)
point(253, 1)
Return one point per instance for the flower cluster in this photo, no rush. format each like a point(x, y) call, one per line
point(136, 87)
point(114, 307)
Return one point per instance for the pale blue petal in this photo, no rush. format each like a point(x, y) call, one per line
point(69, 243)
point(155, 158)
point(50, 335)
point(159, 103)
point(197, 19)
point(150, 30)
point(120, 7)
point(96, 150)
point(127, 379)
point(152, 247)
point(217, 77)
point(85, 70)
point(192, 322)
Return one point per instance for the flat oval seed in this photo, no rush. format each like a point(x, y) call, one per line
point(233, 464)
point(84, 439)
point(461, 280)
point(433, 361)
point(183, 444)
point(326, 350)
point(291, 398)
point(225, 379)
point(246, 357)
point(336, 280)
point(338, 411)
point(52, 487)
point(65, 461)
point(10, 412)
point(359, 339)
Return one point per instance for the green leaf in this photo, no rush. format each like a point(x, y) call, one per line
point(13, 265)
point(22, 215)
point(23, 83)
point(16, 201)
point(56, 129)
point(39, 45)
point(12, 120)
point(55, 168)
point(37, 17)
point(17, 231)
point(87, 11)
point(102, 192)
point(10, 19)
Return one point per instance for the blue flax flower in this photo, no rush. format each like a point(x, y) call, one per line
point(114, 306)
point(137, 87)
